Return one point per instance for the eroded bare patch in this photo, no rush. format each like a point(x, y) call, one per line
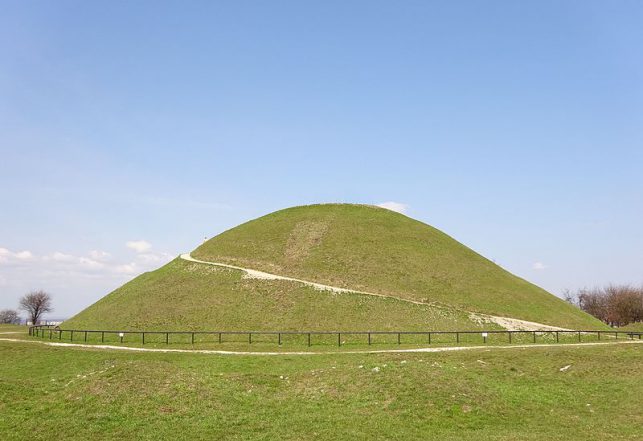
point(303, 239)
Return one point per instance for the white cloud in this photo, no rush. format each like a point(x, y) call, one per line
point(140, 246)
point(9, 256)
point(99, 255)
point(394, 206)
point(62, 257)
point(538, 266)
point(89, 263)
point(24, 255)
point(21, 270)
point(129, 268)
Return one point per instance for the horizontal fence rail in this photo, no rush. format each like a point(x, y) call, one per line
point(54, 332)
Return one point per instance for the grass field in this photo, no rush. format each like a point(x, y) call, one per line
point(498, 394)
point(376, 250)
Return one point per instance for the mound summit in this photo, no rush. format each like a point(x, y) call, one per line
point(426, 280)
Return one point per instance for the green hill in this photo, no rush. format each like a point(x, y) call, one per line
point(357, 247)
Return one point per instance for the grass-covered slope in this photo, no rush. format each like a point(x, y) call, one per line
point(377, 250)
point(189, 296)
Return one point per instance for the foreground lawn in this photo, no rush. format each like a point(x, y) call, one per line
point(499, 394)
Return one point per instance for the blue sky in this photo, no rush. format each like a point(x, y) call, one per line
point(131, 130)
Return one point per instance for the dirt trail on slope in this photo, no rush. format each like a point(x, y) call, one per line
point(508, 323)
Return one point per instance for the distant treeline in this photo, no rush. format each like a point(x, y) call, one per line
point(616, 305)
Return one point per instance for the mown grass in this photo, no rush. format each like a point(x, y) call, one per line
point(372, 249)
point(186, 296)
point(74, 394)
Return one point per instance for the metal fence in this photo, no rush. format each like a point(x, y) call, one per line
point(54, 332)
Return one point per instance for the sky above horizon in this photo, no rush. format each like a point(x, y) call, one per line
point(129, 131)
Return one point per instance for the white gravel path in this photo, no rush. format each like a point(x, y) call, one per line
point(382, 351)
point(510, 324)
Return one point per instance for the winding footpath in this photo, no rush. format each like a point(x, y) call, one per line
point(510, 324)
point(381, 351)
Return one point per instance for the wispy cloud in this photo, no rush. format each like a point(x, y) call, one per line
point(538, 266)
point(8, 256)
point(140, 246)
point(58, 265)
point(394, 206)
point(99, 255)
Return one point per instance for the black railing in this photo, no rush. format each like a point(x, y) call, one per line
point(54, 332)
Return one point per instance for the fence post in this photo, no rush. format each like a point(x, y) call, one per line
point(167, 337)
point(429, 338)
point(509, 332)
point(72, 336)
point(279, 335)
point(598, 334)
point(457, 337)
point(143, 334)
point(369, 338)
point(398, 338)
point(193, 338)
point(249, 337)
point(309, 339)
point(534, 336)
point(339, 339)
point(579, 336)
point(102, 337)
point(219, 337)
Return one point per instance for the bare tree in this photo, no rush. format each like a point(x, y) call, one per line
point(616, 305)
point(36, 303)
point(570, 297)
point(9, 317)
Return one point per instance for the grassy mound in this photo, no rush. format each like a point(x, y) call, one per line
point(189, 296)
point(372, 249)
point(353, 246)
